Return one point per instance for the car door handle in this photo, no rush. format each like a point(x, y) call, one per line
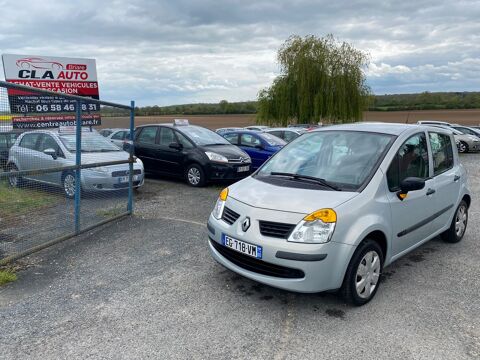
point(430, 191)
point(456, 178)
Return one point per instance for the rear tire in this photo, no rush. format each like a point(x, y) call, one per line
point(459, 224)
point(195, 175)
point(462, 147)
point(15, 181)
point(362, 278)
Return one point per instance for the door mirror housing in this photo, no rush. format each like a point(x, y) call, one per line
point(51, 152)
point(410, 184)
point(259, 146)
point(176, 146)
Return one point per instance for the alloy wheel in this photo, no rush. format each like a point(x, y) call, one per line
point(462, 147)
point(69, 185)
point(194, 176)
point(368, 274)
point(461, 221)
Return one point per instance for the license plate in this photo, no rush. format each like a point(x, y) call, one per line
point(243, 168)
point(242, 246)
point(124, 179)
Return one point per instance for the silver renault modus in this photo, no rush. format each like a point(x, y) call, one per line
point(335, 206)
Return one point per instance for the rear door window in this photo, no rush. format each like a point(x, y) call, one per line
point(442, 152)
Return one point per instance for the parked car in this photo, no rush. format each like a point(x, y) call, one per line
point(256, 127)
point(307, 127)
point(194, 153)
point(465, 142)
point(433, 122)
point(336, 206)
point(222, 131)
point(7, 139)
point(43, 149)
point(259, 146)
point(467, 130)
point(117, 136)
point(286, 134)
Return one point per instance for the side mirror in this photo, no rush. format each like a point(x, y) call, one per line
point(176, 146)
point(51, 152)
point(260, 146)
point(410, 184)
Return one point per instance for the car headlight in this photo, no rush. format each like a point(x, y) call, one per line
point(316, 227)
point(220, 204)
point(216, 157)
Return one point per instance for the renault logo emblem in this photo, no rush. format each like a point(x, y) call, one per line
point(246, 224)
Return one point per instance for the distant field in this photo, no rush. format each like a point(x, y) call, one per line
point(466, 117)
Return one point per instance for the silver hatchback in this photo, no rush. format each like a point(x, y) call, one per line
point(335, 206)
point(44, 149)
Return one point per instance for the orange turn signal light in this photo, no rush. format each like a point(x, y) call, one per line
point(326, 215)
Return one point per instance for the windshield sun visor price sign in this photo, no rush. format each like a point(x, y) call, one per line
point(63, 75)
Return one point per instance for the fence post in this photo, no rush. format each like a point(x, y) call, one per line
point(78, 163)
point(130, 165)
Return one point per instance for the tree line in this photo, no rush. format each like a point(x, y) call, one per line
point(395, 102)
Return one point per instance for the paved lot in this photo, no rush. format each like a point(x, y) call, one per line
point(146, 287)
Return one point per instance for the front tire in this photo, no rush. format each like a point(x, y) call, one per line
point(362, 278)
point(462, 147)
point(459, 224)
point(195, 175)
point(68, 184)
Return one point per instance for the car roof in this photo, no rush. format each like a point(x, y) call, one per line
point(283, 129)
point(378, 127)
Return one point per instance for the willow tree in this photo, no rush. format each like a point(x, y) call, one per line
point(320, 79)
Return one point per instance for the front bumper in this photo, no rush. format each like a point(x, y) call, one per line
point(307, 267)
point(227, 171)
point(474, 146)
point(112, 180)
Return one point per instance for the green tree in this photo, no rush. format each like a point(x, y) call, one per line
point(320, 80)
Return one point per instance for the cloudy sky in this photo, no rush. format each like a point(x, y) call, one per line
point(174, 52)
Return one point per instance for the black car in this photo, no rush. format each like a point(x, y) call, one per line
point(192, 152)
point(7, 139)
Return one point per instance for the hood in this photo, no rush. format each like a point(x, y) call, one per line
point(227, 150)
point(259, 194)
point(98, 157)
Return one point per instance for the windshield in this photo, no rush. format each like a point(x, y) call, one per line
point(343, 159)
point(90, 143)
point(272, 140)
point(202, 136)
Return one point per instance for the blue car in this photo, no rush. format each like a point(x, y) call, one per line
point(260, 146)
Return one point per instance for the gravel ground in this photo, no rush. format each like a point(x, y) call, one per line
point(146, 287)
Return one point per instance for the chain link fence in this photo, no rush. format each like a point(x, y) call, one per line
point(65, 167)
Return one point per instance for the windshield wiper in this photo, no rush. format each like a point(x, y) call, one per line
point(319, 181)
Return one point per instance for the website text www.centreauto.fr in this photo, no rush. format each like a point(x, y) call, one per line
point(54, 124)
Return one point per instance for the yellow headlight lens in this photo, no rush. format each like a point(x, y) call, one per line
point(326, 215)
point(223, 194)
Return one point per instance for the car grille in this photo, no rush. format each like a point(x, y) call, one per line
point(240, 160)
point(229, 216)
point(125, 185)
point(277, 230)
point(258, 266)
point(125, 173)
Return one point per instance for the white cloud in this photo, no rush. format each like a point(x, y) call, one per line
point(163, 52)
